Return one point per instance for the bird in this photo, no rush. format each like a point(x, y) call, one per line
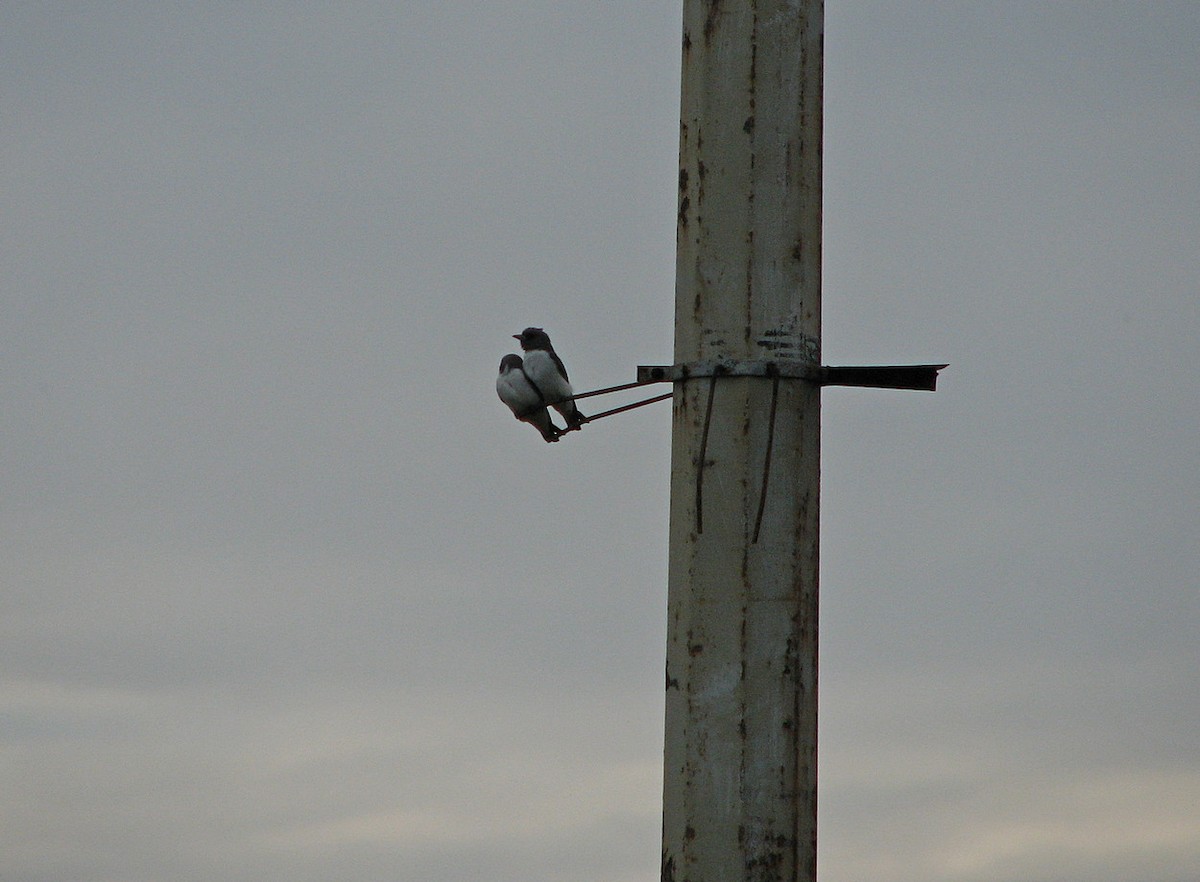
point(523, 398)
point(545, 370)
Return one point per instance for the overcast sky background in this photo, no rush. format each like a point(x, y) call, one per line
point(287, 594)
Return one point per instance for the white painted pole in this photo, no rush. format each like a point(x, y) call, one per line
point(740, 778)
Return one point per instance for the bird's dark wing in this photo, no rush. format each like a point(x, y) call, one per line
point(558, 363)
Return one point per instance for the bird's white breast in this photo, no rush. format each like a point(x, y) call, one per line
point(515, 391)
point(544, 372)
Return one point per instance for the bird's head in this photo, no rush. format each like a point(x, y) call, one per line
point(510, 362)
point(533, 338)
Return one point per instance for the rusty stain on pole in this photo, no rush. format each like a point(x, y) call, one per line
point(740, 783)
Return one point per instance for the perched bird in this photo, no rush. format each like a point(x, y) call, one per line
point(545, 370)
point(523, 398)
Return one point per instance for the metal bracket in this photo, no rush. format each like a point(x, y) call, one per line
point(911, 376)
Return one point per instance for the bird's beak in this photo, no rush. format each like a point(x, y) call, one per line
point(516, 336)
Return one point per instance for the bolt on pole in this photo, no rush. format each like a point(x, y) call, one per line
point(740, 774)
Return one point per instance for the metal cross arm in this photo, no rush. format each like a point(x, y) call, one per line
point(910, 376)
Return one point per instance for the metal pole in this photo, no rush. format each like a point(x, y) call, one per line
point(740, 779)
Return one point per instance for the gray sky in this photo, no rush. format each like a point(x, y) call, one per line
point(288, 595)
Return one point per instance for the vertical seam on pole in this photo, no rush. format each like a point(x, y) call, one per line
point(712, 390)
point(762, 497)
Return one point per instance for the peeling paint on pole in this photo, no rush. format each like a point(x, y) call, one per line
point(741, 680)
